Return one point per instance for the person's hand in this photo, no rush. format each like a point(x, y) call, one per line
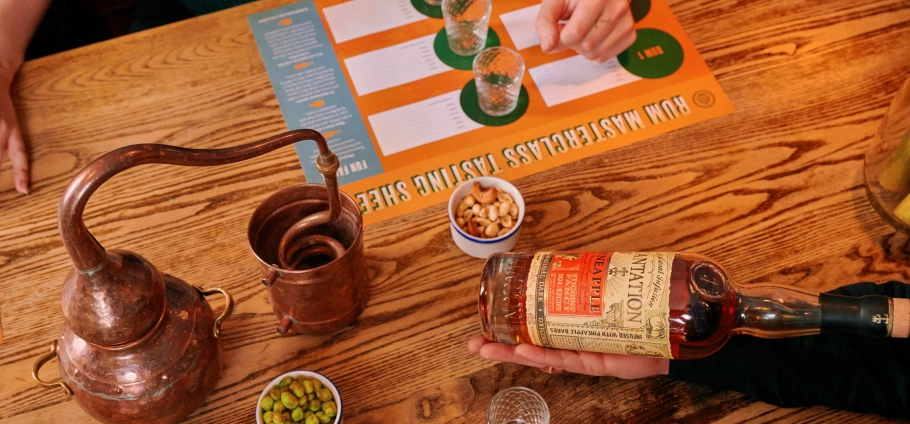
point(597, 29)
point(11, 143)
point(553, 360)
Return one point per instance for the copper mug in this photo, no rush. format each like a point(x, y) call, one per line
point(315, 286)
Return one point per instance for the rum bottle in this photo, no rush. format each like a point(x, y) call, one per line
point(667, 305)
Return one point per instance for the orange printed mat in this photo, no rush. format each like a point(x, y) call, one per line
point(400, 109)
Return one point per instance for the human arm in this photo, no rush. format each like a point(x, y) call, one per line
point(597, 29)
point(18, 22)
point(839, 370)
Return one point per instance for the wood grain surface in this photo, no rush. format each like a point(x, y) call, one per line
point(774, 192)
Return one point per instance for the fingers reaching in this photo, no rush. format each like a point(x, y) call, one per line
point(583, 18)
point(547, 24)
point(596, 29)
point(622, 36)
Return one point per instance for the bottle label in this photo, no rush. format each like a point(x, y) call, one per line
point(601, 302)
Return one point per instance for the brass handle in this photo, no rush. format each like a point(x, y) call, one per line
point(228, 306)
point(43, 360)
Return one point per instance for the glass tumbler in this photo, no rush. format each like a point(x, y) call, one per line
point(518, 405)
point(497, 74)
point(467, 22)
point(887, 167)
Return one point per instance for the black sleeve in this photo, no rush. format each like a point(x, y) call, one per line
point(843, 371)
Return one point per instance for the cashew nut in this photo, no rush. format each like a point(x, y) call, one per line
point(484, 196)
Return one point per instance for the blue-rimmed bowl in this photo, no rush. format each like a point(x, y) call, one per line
point(484, 247)
point(298, 375)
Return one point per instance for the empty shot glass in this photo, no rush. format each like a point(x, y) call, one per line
point(518, 405)
point(467, 22)
point(497, 74)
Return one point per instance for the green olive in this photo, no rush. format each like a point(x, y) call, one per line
point(297, 389)
point(323, 418)
point(278, 408)
point(266, 403)
point(329, 408)
point(297, 414)
point(289, 400)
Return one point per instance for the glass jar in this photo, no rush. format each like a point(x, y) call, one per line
point(887, 168)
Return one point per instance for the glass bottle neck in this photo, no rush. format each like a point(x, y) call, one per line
point(775, 311)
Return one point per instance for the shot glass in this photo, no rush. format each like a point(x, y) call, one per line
point(467, 22)
point(518, 405)
point(497, 74)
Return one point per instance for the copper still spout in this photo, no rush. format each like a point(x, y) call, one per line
point(137, 344)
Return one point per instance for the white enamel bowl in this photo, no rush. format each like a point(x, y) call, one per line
point(484, 247)
point(298, 375)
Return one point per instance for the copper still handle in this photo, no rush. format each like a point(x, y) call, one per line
point(88, 255)
point(228, 306)
point(43, 360)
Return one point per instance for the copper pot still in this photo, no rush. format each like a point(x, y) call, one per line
point(139, 345)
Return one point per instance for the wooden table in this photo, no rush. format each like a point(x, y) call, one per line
point(774, 192)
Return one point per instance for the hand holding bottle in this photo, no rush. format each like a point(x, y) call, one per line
point(554, 360)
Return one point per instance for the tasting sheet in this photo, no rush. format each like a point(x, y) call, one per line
point(399, 108)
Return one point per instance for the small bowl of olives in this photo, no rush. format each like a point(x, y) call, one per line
point(303, 397)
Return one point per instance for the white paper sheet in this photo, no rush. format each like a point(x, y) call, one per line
point(395, 65)
point(421, 123)
point(576, 77)
point(520, 25)
point(357, 18)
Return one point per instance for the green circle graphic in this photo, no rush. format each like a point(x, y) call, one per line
point(471, 107)
point(426, 9)
point(457, 61)
point(640, 9)
point(655, 54)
